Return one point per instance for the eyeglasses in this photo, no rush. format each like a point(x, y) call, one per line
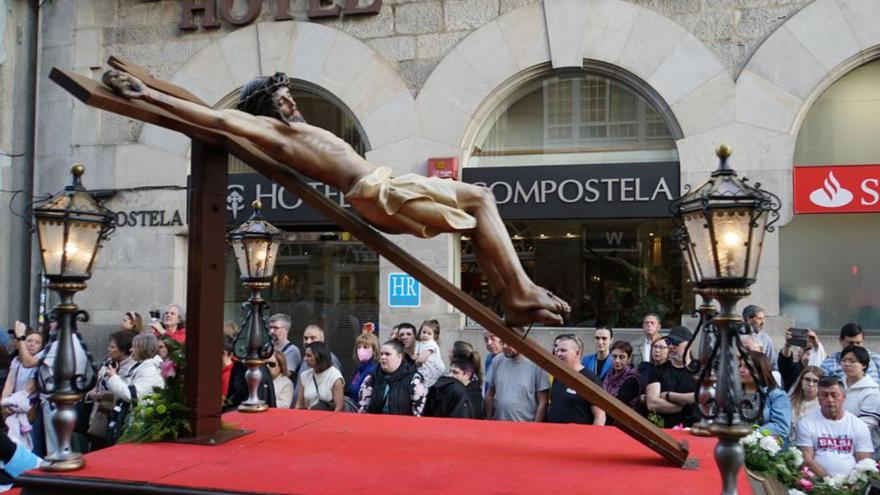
point(271, 364)
point(660, 348)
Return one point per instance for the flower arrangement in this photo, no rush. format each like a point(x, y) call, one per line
point(766, 455)
point(161, 415)
point(856, 482)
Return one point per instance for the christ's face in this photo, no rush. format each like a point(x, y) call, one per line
point(287, 106)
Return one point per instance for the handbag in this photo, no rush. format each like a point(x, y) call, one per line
point(321, 405)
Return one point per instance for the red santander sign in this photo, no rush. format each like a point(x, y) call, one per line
point(837, 189)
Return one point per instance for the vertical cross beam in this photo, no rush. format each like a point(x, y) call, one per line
point(204, 282)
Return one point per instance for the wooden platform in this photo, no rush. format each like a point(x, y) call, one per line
point(310, 452)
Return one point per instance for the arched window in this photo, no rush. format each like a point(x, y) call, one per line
point(544, 140)
point(829, 272)
point(575, 117)
point(323, 276)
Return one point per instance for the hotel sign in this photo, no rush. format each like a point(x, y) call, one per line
point(615, 190)
point(211, 10)
point(620, 190)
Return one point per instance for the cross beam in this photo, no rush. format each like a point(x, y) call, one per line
point(95, 94)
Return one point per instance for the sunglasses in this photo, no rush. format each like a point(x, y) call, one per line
point(271, 364)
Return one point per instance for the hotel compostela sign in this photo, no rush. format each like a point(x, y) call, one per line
point(617, 190)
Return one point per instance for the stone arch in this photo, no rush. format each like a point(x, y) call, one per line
point(802, 58)
point(567, 33)
point(353, 72)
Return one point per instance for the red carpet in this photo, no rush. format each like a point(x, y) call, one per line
point(309, 452)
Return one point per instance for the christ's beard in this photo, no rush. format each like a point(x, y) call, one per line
point(295, 118)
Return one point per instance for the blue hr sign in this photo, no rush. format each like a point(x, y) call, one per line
point(403, 291)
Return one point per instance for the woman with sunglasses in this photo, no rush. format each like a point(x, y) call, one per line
point(804, 395)
point(277, 364)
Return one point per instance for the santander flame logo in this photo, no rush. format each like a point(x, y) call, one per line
point(831, 194)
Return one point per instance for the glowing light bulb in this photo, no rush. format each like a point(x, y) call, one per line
point(731, 239)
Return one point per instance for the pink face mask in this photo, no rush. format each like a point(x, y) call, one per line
point(364, 355)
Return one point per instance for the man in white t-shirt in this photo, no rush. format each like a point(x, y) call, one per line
point(832, 439)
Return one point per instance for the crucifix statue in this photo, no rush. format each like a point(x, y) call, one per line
point(267, 116)
point(268, 133)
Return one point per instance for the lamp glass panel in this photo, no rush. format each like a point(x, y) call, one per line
point(258, 256)
point(731, 235)
point(241, 257)
point(271, 257)
point(757, 244)
point(689, 264)
point(82, 241)
point(51, 236)
point(701, 246)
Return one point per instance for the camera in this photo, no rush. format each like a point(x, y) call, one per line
point(155, 314)
point(799, 337)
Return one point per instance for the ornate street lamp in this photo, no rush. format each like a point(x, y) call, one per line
point(255, 244)
point(70, 229)
point(707, 335)
point(723, 222)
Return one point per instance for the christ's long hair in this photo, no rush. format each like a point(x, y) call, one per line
point(257, 97)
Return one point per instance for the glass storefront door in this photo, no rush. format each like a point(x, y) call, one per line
point(327, 279)
point(612, 272)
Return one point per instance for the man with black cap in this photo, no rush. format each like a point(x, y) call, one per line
point(670, 389)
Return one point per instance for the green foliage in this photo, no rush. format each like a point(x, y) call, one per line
point(161, 415)
point(655, 418)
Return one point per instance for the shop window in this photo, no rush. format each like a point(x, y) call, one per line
point(828, 270)
point(322, 276)
point(612, 270)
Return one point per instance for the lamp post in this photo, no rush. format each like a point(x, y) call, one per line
point(255, 244)
point(708, 335)
point(723, 222)
point(70, 228)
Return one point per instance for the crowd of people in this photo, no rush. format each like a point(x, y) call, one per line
point(826, 405)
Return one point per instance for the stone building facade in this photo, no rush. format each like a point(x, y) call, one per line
point(421, 78)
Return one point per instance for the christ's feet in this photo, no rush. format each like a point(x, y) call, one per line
point(533, 304)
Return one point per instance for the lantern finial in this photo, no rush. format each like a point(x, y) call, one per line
point(723, 152)
point(257, 205)
point(77, 170)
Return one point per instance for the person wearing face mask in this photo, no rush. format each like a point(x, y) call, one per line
point(366, 355)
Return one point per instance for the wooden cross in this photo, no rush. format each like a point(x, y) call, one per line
point(205, 270)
